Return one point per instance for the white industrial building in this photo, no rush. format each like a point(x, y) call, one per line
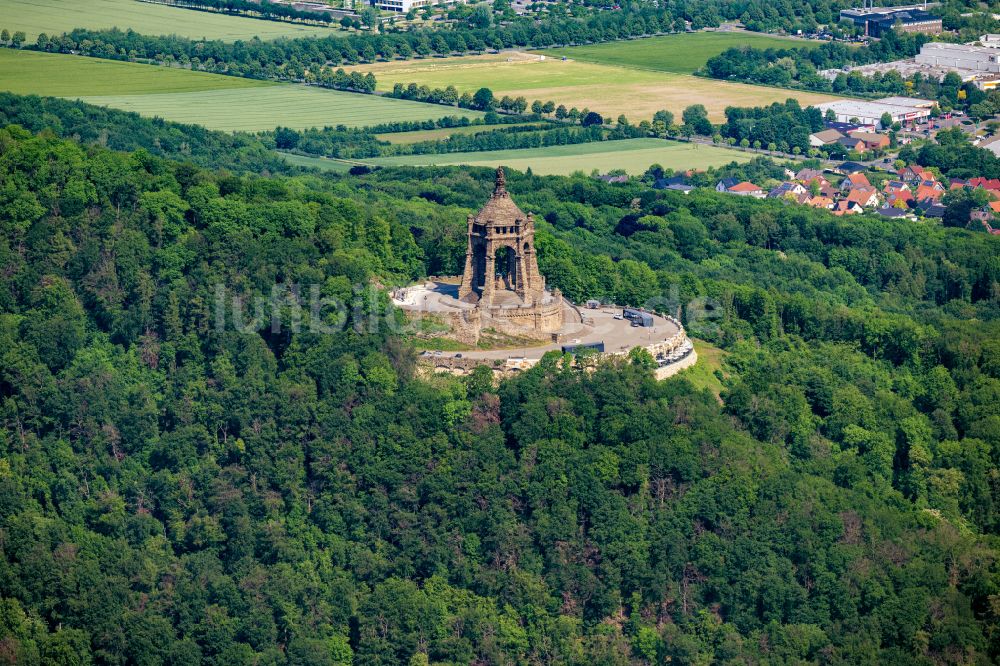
point(976, 59)
point(900, 109)
point(402, 6)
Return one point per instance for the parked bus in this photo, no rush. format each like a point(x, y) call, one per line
point(638, 317)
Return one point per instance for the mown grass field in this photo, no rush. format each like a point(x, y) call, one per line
point(632, 155)
point(215, 101)
point(416, 136)
point(681, 54)
point(608, 89)
point(57, 75)
point(59, 16)
point(315, 162)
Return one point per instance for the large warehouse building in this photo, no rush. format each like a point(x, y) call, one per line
point(961, 57)
point(878, 20)
point(900, 109)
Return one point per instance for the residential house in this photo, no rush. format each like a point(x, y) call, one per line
point(931, 209)
point(929, 189)
point(846, 207)
point(824, 138)
point(855, 181)
point(787, 189)
point(892, 212)
point(864, 197)
point(992, 184)
point(914, 174)
point(677, 183)
point(872, 140)
point(724, 184)
point(747, 189)
point(850, 143)
point(986, 214)
point(806, 175)
point(899, 198)
point(608, 178)
point(851, 167)
point(820, 202)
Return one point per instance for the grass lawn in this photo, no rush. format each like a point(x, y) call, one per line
point(59, 16)
point(417, 136)
point(289, 105)
point(315, 162)
point(633, 155)
point(681, 54)
point(58, 75)
point(608, 89)
point(215, 101)
point(702, 374)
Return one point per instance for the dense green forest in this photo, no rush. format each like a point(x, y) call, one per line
point(173, 491)
point(125, 130)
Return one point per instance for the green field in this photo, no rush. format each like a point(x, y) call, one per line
point(632, 155)
point(57, 75)
point(416, 136)
point(681, 54)
point(265, 108)
point(215, 101)
point(702, 374)
point(608, 89)
point(59, 16)
point(315, 162)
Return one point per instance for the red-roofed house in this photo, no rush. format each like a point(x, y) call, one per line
point(866, 198)
point(915, 173)
point(985, 183)
point(854, 181)
point(747, 189)
point(894, 195)
point(929, 190)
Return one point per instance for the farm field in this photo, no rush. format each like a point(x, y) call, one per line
point(681, 54)
point(315, 162)
point(608, 89)
point(416, 136)
point(59, 16)
point(632, 155)
point(215, 101)
point(288, 105)
point(57, 75)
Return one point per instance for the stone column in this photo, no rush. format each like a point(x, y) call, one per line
point(469, 274)
point(490, 276)
point(522, 279)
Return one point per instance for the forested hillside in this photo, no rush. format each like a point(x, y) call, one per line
point(173, 491)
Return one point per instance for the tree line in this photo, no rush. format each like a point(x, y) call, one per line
point(292, 58)
point(798, 67)
point(262, 9)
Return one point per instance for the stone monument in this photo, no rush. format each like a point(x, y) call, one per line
point(501, 277)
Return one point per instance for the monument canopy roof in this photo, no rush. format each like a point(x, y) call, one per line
point(500, 209)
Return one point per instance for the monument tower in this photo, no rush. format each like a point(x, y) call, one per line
point(501, 268)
